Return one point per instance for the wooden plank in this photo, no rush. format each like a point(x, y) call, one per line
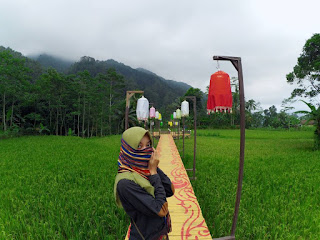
point(186, 216)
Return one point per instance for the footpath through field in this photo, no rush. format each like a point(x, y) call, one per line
point(187, 220)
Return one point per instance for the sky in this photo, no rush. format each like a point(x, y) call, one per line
point(174, 39)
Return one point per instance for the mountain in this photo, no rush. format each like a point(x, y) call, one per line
point(35, 67)
point(47, 61)
point(160, 91)
point(172, 82)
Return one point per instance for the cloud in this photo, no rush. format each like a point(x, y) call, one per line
point(174, 39)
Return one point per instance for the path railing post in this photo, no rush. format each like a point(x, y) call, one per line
point(183, 129)
point(194, 99)
point(128, 96)
point(236, 62)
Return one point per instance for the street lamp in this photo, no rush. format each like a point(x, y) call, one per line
point(236, 62)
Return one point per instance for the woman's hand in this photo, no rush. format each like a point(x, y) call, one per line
point(154, 162)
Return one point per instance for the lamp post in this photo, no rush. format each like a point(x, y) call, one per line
point(129, 95)
point(184, 113)
point(194, 99)
point(236, 62)
point(174, 123)
point(152, 115)
point(178, 112)
point(157, 120)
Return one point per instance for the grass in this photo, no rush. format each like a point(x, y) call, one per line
point(59, 188)
point(280, 195)
point(62, 187)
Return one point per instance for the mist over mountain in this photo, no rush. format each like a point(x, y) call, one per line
point(160, 91)
point(47, 61)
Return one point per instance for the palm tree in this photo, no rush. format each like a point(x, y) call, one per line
point(313, 114)
point(251, 105)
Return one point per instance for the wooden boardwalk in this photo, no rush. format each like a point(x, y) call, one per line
point(186, 216)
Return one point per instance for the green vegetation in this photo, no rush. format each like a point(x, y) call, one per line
point(55, 187)
point(84, 99)
point(87, 98)
point(306, 73)
point(280, 195)
point(314, 114)
point(306, 76)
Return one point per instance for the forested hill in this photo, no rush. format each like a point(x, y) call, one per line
point(86, 98)
point(160, 91)
point(61, 65)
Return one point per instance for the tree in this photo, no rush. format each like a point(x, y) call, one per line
point(13, 75)
point(198, 94)
point(271, 117)
point(314, 114)
point(307, 71)
point(115, 90)
point(250, 106)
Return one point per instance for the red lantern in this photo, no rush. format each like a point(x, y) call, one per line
point(220, 96)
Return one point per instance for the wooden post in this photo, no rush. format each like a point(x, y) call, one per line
point(178, 129)
point(194, 99)
point(183, 129)
point(236, 62)
point(128, 96)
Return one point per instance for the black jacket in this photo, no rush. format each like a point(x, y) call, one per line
point(144, 208)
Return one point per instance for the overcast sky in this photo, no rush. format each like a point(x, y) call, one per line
point(174, 39)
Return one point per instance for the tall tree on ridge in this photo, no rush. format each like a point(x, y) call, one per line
point(13, 75)
point(307, 71)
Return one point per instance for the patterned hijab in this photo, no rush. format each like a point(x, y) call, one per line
point(130, 158)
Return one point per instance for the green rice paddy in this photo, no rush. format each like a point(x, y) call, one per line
point(280, 194)
point(62, 187)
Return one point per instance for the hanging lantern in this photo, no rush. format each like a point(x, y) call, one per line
point(185, 108)
point(178, 111)
point(157, 115)
point(152, 112)
point(161, 124)
point(170, 124)
point(220, 96)
point(142, 109)
point(174, 115)
point(171, 116)
point(160, 116)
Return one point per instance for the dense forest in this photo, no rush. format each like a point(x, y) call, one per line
point(48, 95)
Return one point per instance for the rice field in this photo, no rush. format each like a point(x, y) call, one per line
point(59, 188)
point(62, 187)
point(280, 194)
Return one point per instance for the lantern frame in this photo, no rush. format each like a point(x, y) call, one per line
point(236, 62)
point(193, 169)
point(128, 96)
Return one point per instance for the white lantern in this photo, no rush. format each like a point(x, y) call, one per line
point(174, 115)
point(178, 111)
point(185, 108)
point(157, 115)
point(142, 109)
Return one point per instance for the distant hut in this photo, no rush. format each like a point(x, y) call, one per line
point(310, 123)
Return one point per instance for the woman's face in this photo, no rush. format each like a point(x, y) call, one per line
point(145, 142)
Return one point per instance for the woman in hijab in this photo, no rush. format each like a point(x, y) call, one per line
point(141, 188)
